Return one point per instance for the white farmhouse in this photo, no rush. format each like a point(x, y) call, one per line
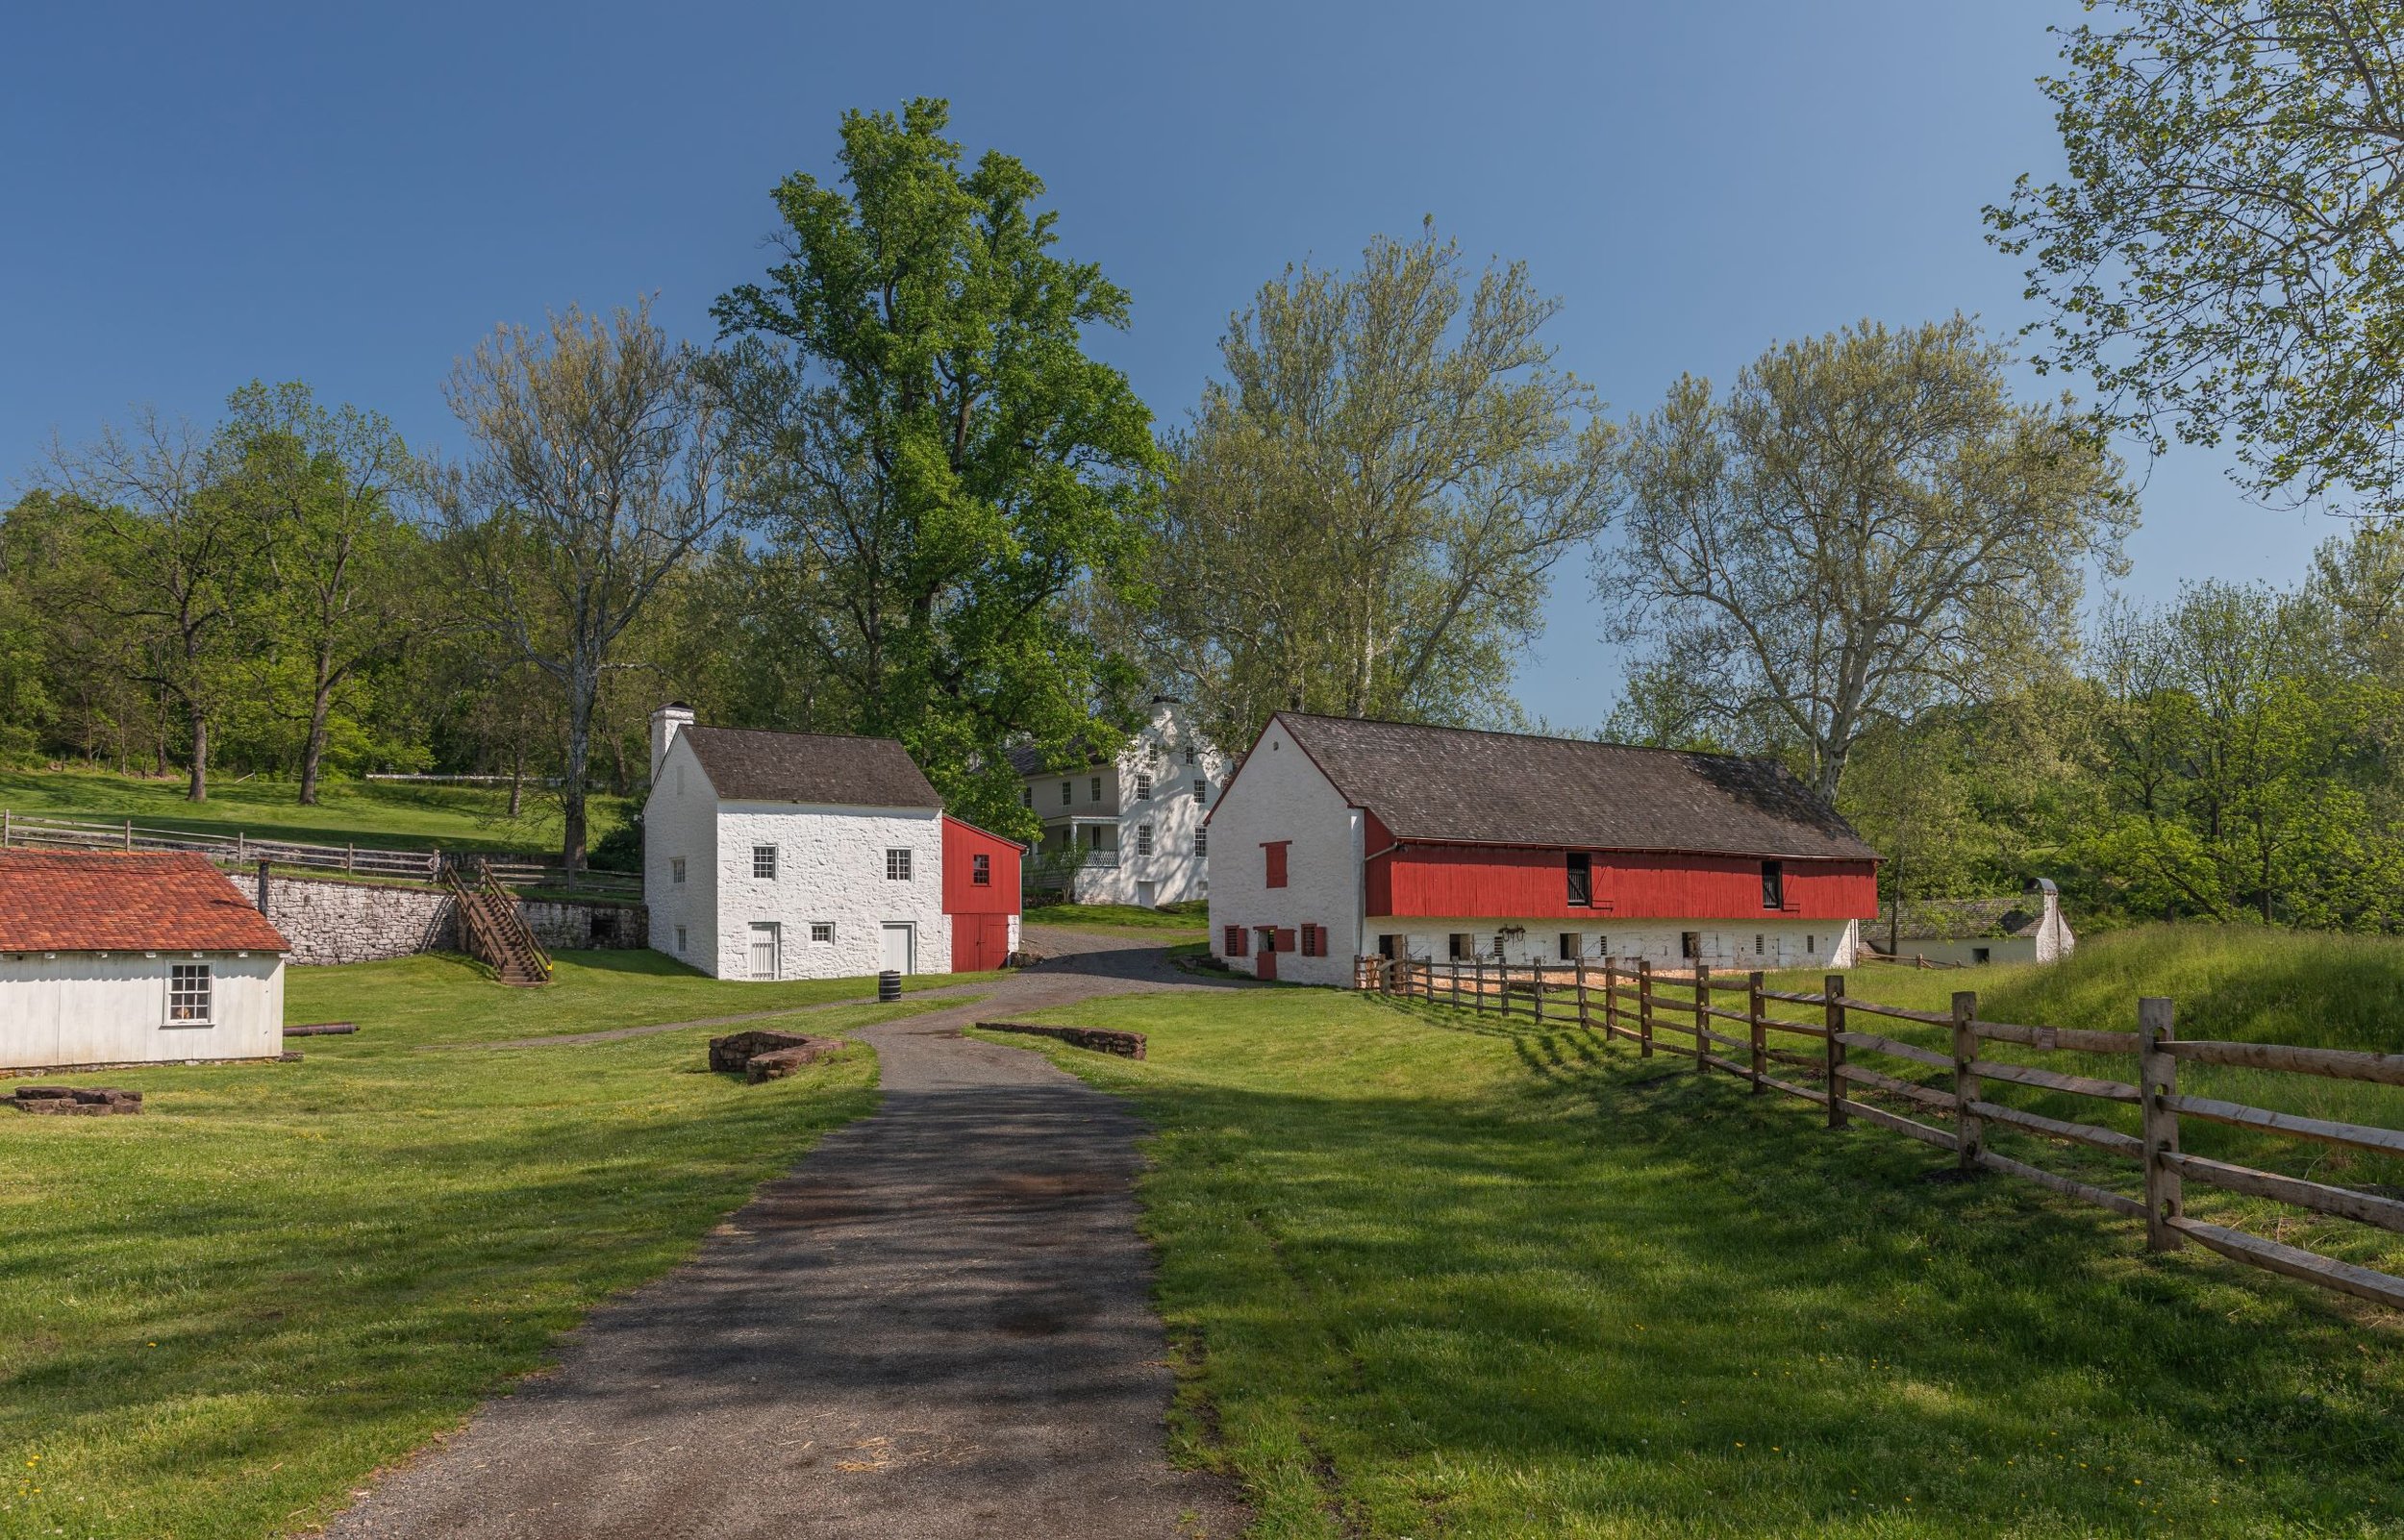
point(810, 855)
point(148, 957)
point(1127, 827)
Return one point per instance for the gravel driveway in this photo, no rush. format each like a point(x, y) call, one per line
point(940, 1324)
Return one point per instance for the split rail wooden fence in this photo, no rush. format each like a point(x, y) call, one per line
point(1695, 1016)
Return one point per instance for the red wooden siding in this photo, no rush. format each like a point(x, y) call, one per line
point(962, 894)
point(1505, 880)
point(980, 942)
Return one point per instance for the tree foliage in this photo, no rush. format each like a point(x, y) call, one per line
point(936, 462)
point(2223, 256)
point(1866, 524)
point(1367, 507)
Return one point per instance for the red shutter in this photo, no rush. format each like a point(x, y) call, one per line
point(1235, 940)
point(1313, 941)
point(1285, 939)
point(1276, 862)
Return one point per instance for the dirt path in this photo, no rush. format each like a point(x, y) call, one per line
point(938, 1326)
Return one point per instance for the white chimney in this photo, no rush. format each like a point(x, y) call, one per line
point(665, 722)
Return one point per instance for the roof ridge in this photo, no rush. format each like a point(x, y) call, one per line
point(1538, 738)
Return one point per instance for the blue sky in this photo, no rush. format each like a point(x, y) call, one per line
point(197, 195)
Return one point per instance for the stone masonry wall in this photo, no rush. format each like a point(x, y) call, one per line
point(357, 922)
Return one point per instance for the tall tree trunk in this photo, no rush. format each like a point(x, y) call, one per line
point(313, 746)
point(580, 700)
point(517, 777)
point(197, 788)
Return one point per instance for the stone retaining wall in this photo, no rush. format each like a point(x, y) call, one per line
point(329, 921)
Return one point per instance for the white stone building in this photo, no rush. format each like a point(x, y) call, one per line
point(1127, 827)
point(810, 855)
point(1342, 839)
point(133, 958)
point(1971, 931)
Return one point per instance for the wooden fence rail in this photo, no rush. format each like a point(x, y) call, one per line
point(39, 832)
point(1635, 1002)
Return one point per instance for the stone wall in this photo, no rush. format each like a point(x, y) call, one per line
point(328, 921)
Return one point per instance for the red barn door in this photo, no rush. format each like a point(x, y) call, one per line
point(980, 942)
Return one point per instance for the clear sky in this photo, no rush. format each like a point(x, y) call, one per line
point(192, 196)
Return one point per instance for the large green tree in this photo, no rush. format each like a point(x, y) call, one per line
point(2223, 256)
point(939, 463)
point(1367, 507)
point(1865, 524)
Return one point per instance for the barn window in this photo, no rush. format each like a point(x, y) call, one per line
point(1144, 788)
point(1462, 946)
point(676, 868)
point(764, 861)
point(1143, 839)
point(981, 871)
point(1094, 792)
point(1389, 946)
point(1201, 842)
point(1571, 944)
point(1689, 943)
point(1276, 851)
point(1811, 943)
point(822, 931)
point(1581, 881)
point(1982, 955)
point(188, 992)
point(1759, 946)
point(898, 866)
point(1235, 941)
point(1773, 884)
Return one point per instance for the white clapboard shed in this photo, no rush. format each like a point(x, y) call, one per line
point(132, 958)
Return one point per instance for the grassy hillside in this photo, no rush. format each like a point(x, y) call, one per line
point(1435, 1273)
point(217, 1317)
point(364, 812)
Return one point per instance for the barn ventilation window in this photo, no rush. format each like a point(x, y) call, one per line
point(1581, 881)
point(1760, 945)
point(764, 861)
point(188, 992)
point(1463, 946)
point(1389, 946)
point(1773, 884)
point(898, 866)
point(1571, 944)
point(981, 871)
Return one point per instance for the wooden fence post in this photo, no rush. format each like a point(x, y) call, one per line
point(1536, 990)
point(1755, 1008)
point(1702, 1013)
point(1481, 985)
point(1456, 985)
point(1610, 997)
point(4, 828)
point(129, 834)
point(1585, 1016)
point(1645, 1007)
point(1965, 1126)
point(1832, 997)
point(2156, 1081)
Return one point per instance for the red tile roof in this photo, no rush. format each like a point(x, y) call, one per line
point(167, 901)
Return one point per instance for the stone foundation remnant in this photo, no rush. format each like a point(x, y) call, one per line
point(76, 1101)
point(767, 1056)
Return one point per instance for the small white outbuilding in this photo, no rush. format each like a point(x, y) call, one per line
point(132, 958)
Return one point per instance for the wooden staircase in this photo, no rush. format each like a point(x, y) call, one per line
point(490, 929)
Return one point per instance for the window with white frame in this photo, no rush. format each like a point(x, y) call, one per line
point(676, 868)
point(680, 940)
point(1188, 754)
point(188, 992)
point(981, 871)
point(1026, 796)
point(1068, 792)
point(898, 866)
point(1143, 839)
point(1097, 789)
point(1143, 787)
point(1202, 793)
point(822, 931)
point(1201, 842)
point(764, 861)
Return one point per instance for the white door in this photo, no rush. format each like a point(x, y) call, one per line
point(898, 948)
point(1146, 893)
point(764, 950)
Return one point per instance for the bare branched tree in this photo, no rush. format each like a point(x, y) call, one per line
point(595, 477)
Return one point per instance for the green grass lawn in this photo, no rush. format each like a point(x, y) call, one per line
point(391, 814)
point(1435, 1274)
point(217, 1317)
point(1185, 920)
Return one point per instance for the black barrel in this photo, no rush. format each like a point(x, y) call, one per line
point(888, 986)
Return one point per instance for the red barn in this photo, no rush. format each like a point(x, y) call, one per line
point(1341, 838)
point(980, 894)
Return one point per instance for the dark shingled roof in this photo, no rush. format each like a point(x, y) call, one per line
point(1963, 920)
point(1028, 760)
point(1508, 788)
point(746, 766)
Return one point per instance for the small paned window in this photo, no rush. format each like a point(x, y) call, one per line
point(1464, 945)
point(1068, 792)
point(680, 940)
point(1773, 885)
point(1202, 792)
point(1581, 881)
point(1811, 943)
point(676, 868)
point(981, 871)
point(1689, 943)
point(1201, 842)
point(898, 866)
point(1188, 754)
point(188, 991)
point(822, 931)
point(1144, 788)
point(1095, 793)
point(1143, 839)
point(764, 861)
point(1026, 796)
